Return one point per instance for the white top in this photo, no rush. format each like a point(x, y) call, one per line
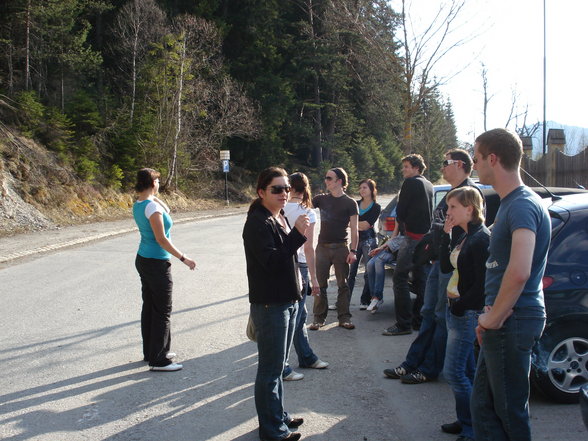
point(153, 207)
point(292, 210)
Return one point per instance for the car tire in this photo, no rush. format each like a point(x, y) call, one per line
point(560, 361)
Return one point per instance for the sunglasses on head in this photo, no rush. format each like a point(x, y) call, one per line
point(449, 162)
point(278, 189)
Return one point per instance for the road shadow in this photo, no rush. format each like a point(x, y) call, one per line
point(212, 395)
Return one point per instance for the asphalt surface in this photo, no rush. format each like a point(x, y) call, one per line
point(71, 357)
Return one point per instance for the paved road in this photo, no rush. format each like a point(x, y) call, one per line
point(71, 370)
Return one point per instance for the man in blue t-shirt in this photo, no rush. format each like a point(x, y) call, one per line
point(514, 315)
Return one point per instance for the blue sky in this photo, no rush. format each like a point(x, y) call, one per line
point(508, 39)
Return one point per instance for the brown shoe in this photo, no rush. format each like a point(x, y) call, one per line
point(316, 326)
point(347, 325)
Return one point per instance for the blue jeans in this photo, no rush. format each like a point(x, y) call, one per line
point(500, 397)
point(365, 246)
point(274, 329)
point(306, 356)
point(427, 351)
point(376, 270)
point(460, 364)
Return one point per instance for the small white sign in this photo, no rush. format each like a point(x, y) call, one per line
point(225, 165)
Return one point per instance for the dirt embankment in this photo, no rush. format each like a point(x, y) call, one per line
point(37, 192)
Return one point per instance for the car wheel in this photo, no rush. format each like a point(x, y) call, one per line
point(560, 362)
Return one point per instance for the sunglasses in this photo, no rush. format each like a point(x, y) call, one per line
point(278, 189)
point(449, 162)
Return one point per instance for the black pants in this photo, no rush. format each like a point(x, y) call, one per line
point(407, 315)
point(156, 288)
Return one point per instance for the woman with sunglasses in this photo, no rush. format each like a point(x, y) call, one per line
point(300, 203)
point(465, 294)
point(369, 211)
point(274, 291)
point(152, 262)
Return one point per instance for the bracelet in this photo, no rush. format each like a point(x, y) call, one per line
point(182, 258)
point(353, 251)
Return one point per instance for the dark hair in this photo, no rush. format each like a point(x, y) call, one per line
point(146, 179)
point(341, 174)
point(415, 160)
point(300, 184)
point(469, 197)
point(264, 179)
point(463, 156)
point(372, 185)
point(506, 145)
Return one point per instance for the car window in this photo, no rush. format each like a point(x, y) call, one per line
point(440, 194)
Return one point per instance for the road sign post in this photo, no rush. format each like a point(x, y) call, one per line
point(225, 155)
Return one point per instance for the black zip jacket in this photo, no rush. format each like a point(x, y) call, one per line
point(272, 267)
point(471, 265)
point(414, 210)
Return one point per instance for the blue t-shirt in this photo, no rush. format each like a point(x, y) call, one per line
point(149, 247)
point(521, 208)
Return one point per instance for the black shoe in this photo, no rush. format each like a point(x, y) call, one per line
point(415, 377)
point(293, 436)
point(396, 330)
point(295, 422)
point(396, 373)
point(453, 428)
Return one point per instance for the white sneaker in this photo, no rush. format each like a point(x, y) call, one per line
point(332, 307)
point(377, 305)
point(319, 364)
point(293, 376)
point(363, 307)
point(169, 368)
point(170, 355)
point(372, 304)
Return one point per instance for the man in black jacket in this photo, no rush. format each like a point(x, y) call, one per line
point(413, 215)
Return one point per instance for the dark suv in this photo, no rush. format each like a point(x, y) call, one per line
point(560, 358)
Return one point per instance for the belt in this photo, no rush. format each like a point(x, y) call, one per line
point(333, 245)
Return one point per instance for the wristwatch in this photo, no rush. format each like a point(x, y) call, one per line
point(353, 251)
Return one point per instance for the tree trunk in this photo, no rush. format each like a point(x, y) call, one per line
point(10, 62)
point(174, 158)
point(317, 151)
point(27, 47)
point(134, 77)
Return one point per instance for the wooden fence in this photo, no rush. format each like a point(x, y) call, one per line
point(558, 170)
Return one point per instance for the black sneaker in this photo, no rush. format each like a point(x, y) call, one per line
point(396, 330)
point(454, 428)
point(415, 377)
point(396, 373)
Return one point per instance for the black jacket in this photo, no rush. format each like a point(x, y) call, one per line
point(414, 210)
point(471, 265)
point(271, 258)
point(371, 217)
